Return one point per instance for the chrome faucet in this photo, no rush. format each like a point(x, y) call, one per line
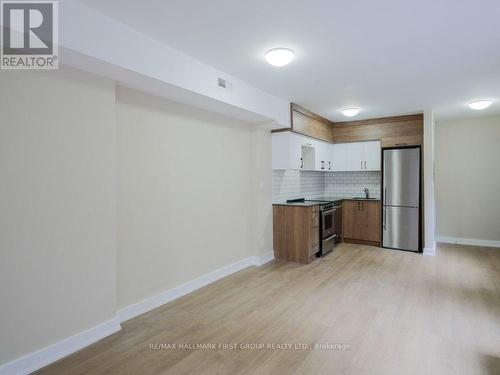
point(367, 193)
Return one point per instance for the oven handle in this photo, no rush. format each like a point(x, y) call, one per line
point(334, 208)
point(330, 238)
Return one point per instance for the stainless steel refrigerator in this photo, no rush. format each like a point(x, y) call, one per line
point(401, 199)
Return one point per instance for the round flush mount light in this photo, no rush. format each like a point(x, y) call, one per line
point(280, 56)
point(480, 104)
point(350, 112)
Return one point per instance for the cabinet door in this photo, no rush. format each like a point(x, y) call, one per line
point(357, 156)
point(280, 150)
point(338, 156)
point(294, 154)
point(350, 227)
point(341, 160)
point(294, 151)
point(348, 156)
point(369, 221)
point(329, 157)
point(371, 155)
point(323, 156)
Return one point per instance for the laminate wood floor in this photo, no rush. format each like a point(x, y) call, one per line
point(395, 312)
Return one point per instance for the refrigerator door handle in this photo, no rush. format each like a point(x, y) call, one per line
point(385, 195)
point(385, 218)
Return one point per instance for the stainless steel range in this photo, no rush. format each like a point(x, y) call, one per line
point(330, 225)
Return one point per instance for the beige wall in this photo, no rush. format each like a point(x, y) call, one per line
point(193, 195)
point(57, 205)
point(468, 178)
point(262, 221)
point(188, 194)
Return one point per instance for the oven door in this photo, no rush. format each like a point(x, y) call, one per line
point(328, 222)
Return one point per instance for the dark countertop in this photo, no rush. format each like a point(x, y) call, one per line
point(334, 199)
point(312, 202)
point(297, 204)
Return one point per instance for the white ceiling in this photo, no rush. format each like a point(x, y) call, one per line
point(388, 57)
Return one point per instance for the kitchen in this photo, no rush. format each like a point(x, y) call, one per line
point(357, 182)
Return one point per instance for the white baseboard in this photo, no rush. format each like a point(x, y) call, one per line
point(43, 357)
point(429, 251)
point(153, 302)
point(264, 258)
point(468, 241)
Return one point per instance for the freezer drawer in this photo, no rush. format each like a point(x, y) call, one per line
point(400, 228)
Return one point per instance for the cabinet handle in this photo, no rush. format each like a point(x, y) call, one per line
point(365, 164)
point(322, 164)
point(361, 164)
point(329, 165)
point(301, 163)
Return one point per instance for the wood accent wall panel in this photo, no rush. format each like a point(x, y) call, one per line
point(392, 131)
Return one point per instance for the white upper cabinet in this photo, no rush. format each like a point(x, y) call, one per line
point(357, 156)
point(347, 156)
point(323, 156)
point(295, 151)
point(286, 153)
point(372, 155)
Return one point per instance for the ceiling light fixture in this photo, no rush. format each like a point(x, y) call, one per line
point(479, 105)
point(350, 112)
point(280, 56)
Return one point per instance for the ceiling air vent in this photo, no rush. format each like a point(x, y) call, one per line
point(221, 82)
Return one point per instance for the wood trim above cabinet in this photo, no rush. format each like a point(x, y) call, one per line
point(391, 131)
point(394, 131)
point(306, 112)
point(308, 123)
point(380, 120)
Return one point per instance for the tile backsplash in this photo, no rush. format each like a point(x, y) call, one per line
point(289, 184)
point(351, 184)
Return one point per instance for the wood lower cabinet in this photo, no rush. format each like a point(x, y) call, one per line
point(350, 213)
point(296, 233)
point(361, 222)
